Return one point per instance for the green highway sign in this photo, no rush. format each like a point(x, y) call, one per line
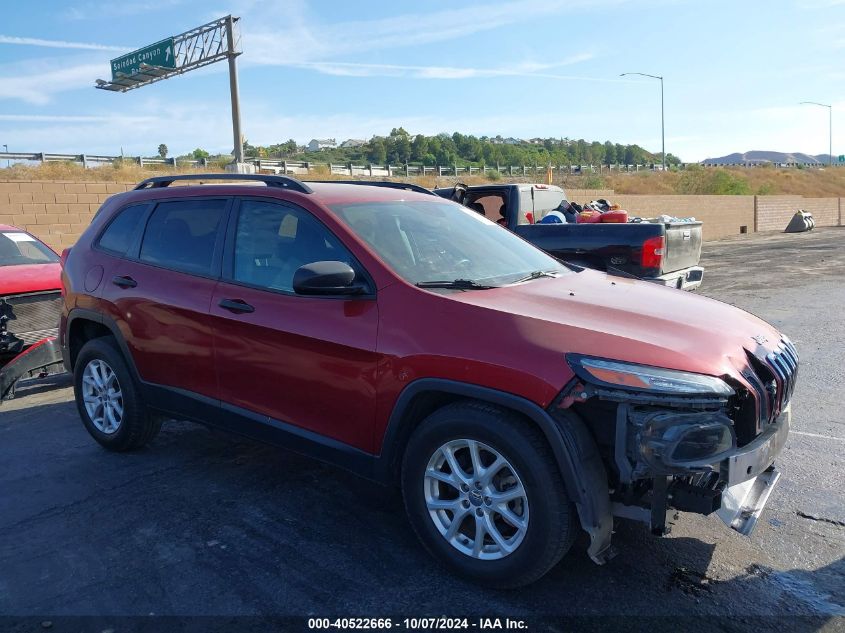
point(158, 54)
point(842, 158)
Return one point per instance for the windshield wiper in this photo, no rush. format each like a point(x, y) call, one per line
point(535, 275)
point(457, 284)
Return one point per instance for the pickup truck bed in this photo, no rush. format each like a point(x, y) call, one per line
point(620, 246)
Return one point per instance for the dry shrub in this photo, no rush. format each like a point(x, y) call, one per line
point(121, 171)
point(829, 182)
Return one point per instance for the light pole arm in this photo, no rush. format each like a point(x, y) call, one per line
point(662, 117)
point(829, 127)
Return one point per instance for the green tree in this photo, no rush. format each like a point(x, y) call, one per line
point(597, 151)
point(162, 150)
point(419, 147)
point(197, 154)
point(377, 152)
point(671, 159)
point(288, 148)
point(610, 153)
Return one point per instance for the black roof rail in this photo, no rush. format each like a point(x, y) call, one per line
point(408, 186)
point(284, 182)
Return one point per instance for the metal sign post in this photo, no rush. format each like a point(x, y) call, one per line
point(233, 89)
point(204, 45)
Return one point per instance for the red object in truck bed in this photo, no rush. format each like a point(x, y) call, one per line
point(620, 216)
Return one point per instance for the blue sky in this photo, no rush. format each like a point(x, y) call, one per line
point(734, 73)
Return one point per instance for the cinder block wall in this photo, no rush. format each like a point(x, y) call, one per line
point(582, 196)
point(774, 212)
point(723, 216)
point(58, 211)
point(54, 211)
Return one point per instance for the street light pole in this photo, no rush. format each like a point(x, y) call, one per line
point(6, 148)
point(662, 119)
point(830, 128)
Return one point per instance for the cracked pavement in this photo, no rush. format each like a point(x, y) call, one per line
point(206, 523)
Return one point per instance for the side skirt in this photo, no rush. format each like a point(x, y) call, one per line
point(191, 406)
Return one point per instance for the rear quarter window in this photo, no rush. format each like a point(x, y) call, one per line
point(117, 238)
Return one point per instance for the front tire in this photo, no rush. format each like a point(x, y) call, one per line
point(485, 495)
point(108, 399)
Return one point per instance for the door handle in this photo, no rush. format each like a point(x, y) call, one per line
point(124, 281)
point(238, 306)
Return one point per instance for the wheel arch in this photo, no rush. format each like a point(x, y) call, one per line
point(84, 325)
point(573, 447)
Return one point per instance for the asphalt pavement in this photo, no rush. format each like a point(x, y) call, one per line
point(203, 523)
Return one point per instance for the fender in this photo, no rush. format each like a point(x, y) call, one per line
point(96, 317)
point(574, 449)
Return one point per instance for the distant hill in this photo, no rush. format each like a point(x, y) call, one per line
point(758, 157)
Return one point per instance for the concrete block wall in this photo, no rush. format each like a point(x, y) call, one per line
point(582, 196)
point(723, 216)
point(56, 212)
point(774, 212)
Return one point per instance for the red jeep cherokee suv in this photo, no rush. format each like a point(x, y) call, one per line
point(514, 399)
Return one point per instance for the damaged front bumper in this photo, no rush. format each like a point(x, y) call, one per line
point(41, 359)
point(751, 476)
point(736, 487)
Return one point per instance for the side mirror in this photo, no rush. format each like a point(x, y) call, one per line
point(326, 278)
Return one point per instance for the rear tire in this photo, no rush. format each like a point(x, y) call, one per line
point(109, 400)
point(521, 538)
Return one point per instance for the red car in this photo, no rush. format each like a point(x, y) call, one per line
point(513, 398)
point(30, 305)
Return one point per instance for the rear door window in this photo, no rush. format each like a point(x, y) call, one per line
point(182, 235)
point(118, 236)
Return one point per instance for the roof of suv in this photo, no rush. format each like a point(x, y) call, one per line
point(326, 192)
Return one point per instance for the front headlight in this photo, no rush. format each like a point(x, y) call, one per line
point(633, 377)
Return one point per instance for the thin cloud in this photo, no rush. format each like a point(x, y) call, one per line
point(34, 41)
point(109, 10)
point(295, 36)
point(39, 88)
point(67, 118)
point(358, 69)
point(819, 4)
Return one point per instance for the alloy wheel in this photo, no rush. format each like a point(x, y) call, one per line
point(102, 396)
point(476, 499)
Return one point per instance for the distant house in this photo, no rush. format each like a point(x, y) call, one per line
point(536, 141)
point(512, 141)
point(352, 143)
point(317, 144)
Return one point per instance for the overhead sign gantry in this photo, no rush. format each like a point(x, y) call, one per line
point(204, 45)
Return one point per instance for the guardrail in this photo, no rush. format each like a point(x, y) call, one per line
point(341, 169)
point(408, 169)
point(92, 160)
point(281, 166)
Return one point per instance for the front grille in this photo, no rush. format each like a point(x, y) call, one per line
point(34, 316)
point(773, 380)
point(784, 362)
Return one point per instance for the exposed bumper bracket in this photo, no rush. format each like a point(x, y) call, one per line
point(743, 503)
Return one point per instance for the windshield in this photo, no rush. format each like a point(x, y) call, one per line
point(17, 247)
point(439, 240)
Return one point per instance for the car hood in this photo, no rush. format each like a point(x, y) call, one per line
point(30, 278)
point(596, 314)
